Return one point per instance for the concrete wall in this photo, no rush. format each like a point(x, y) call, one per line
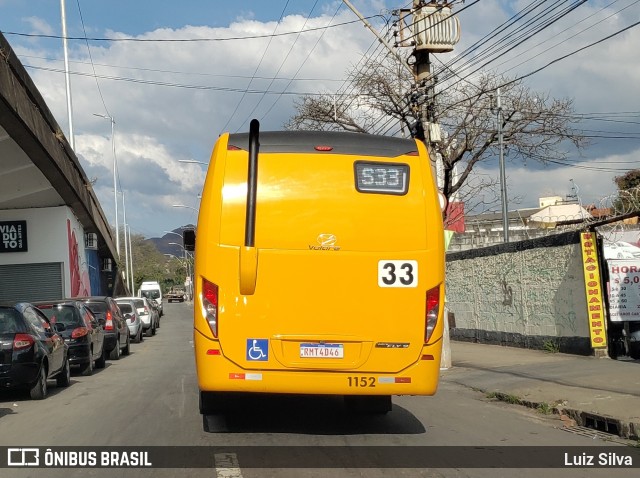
point(529, 294)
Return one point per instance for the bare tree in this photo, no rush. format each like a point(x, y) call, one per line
point(535, 126)
point(375, 97)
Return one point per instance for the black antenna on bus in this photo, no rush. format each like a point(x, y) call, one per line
point(252, 184)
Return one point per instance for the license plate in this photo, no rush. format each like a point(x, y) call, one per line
point(321, 351)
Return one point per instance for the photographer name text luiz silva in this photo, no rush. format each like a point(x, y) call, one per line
point(601, 459)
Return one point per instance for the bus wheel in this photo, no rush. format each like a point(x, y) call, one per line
point(368, 404)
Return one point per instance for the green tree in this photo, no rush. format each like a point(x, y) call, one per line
point(628, 199)
point(149, 264)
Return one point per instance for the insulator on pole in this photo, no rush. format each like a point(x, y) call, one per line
point(435, 29)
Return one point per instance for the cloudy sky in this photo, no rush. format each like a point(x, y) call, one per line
point(171, 99)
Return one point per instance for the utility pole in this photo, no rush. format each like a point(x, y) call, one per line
point(435, 30)
point(503, 179)
point(115, 177)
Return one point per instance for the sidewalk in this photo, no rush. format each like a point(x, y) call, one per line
point(599, 393)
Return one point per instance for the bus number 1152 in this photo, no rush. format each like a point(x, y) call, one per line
point(361, 381)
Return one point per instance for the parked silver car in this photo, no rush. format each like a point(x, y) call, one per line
point(129, 308)
point(157, 311)
point(148, 315)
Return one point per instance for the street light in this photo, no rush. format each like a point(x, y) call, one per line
point(133, 286)
point(184, 205)
point(177, 234)
point(186, 256)
point(128, 252)
point(192, 161)
point(63, 18)
point(177, 244)
point(115, 177)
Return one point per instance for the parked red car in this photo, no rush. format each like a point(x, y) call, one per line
point(116, 337)
point(81, 330)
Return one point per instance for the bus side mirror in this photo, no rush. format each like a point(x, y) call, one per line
point(189, 239)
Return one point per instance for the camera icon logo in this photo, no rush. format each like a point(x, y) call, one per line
point(23, 457)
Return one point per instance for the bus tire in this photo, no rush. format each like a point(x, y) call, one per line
point(368, 404)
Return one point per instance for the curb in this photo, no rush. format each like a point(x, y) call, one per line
point(603, 423)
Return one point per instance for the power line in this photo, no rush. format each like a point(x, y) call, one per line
point(525, 36)
point(281, 64)
point(302, 63)
point(572, 36)
point(179, 40)
point(189, 73)
point(91, 60)
point(494, 33)
point(173, 85)
point(224, 128)
point(608, 37)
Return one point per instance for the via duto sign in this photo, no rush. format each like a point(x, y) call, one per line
point(13, 236)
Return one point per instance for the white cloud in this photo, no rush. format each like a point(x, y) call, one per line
point(39, 26)
point(594, 179)
point(158, 125)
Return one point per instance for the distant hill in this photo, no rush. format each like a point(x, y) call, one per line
point(163, 244)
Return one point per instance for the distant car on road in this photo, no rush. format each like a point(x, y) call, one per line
point(116, 337)
point(81, 330)
point(176, 293)
point(129, 308)
point(31, 350)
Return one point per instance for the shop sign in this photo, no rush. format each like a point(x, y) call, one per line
point(624, 290)
point(593, 288)
point(13, 236)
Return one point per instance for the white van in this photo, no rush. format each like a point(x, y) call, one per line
point(152, 290)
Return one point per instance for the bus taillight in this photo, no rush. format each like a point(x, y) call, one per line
point(210, 305)
point(431, 318)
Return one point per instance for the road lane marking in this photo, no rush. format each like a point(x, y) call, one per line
point(227, 465)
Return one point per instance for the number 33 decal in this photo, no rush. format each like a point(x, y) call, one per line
point(398, 273)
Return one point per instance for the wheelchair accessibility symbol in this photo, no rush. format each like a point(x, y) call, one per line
point(258, 350)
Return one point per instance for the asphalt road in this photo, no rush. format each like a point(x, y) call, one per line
point(149, 398)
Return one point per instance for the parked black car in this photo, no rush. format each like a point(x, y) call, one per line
point(81, 330)
point(116, 332)
point(31, 350)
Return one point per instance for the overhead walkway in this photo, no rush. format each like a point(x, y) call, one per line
point(44, 189)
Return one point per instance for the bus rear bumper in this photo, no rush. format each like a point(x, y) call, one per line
point(217, 373)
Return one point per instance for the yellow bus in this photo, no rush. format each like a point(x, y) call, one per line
point(319, 268)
